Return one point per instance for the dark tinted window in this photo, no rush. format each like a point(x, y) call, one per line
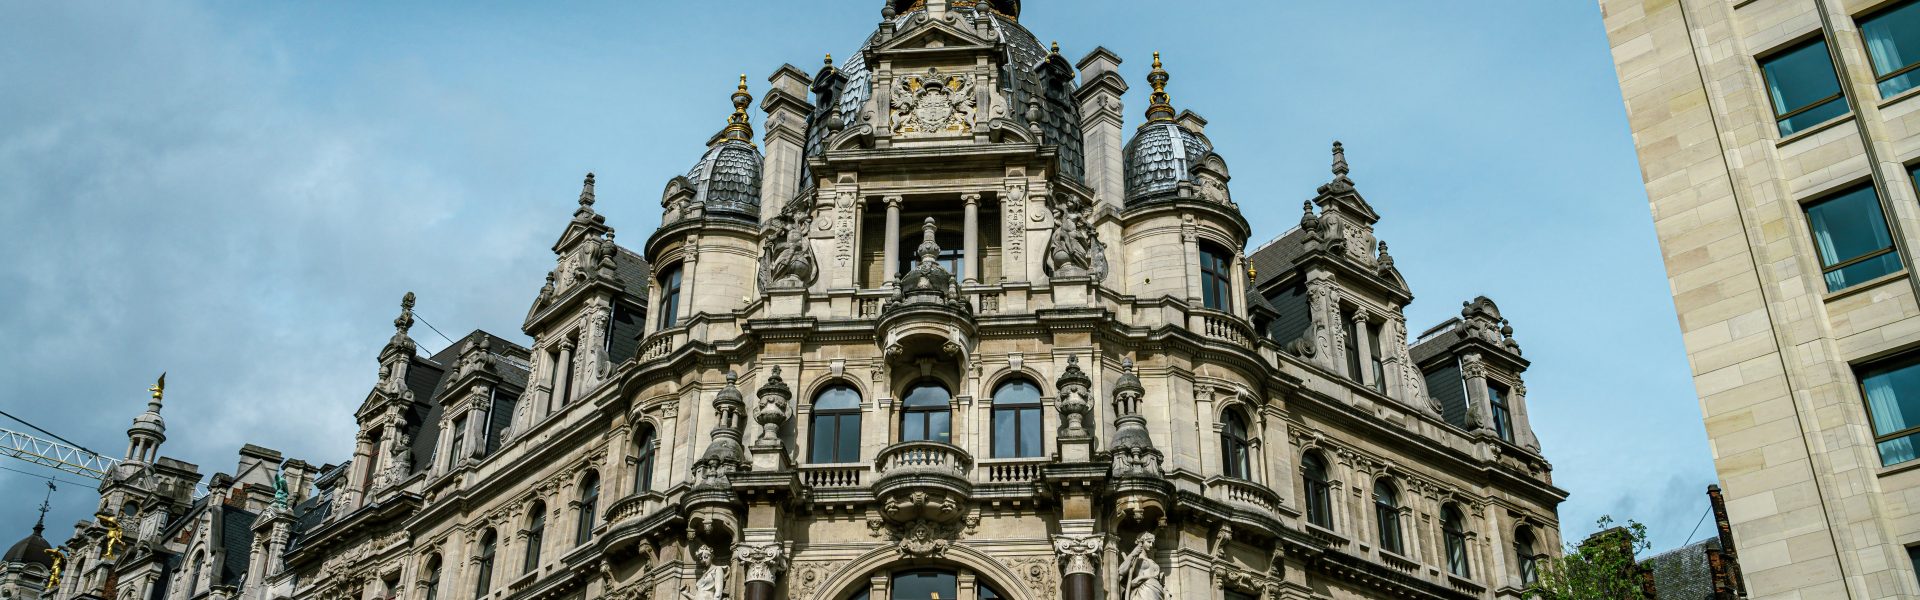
point(1893, 404)
point(836, 426)
point(1802, 86)
point(1016, 420)
point(1893, 44)
point(1850, 234)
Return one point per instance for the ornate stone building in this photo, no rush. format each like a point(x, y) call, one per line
point(945, 329)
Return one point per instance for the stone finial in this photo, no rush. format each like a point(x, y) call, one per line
point(929, 249)
point(404, 322)
point(1055, 50)
point(1159, 105)
point(1339, 160)
point(738, 125)
point(586, 191)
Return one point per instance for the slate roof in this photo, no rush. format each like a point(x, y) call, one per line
point(1683, 573)
point(236, 537)
point(1159, 157)
point(727, 180)
point(29, 550)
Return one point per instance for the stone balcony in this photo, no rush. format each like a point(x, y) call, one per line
point(1244, 494)
point(922, 480)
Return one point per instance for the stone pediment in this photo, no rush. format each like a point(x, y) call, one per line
point(926, 34)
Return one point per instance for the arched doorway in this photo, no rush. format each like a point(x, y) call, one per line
point(927, 584)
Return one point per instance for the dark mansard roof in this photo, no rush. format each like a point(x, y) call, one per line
point(1020, 79)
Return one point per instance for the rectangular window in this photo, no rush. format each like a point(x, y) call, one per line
point(1379, 367)
point(1216, 287)
point(1802, 86)
point(459, 433)
point(1502, 416)
point(670, 297)
point(1851, 236)
point(1892, 392)
point(1352, 345)
point(1893, 46)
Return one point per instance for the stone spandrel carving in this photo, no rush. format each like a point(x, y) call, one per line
point(933, 103)
point(1073, 250)
point(786, 256)
point(1078, 554)
point(1140, 574)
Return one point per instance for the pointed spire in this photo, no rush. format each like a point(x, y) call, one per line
point(46, 504)
point(1339, 160)
point(1159, 105)
point(738, 127)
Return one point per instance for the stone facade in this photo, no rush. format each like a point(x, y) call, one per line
point(1775, 351)
point(945, 328)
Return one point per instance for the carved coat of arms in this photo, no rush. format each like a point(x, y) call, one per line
point(933, 103)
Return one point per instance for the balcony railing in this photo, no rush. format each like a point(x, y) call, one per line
point(1246, 493)
point(661, 343)
point(629, 507)
point(1222, 326)
point(833, 476)
point(1019, 470)
point(923, 458)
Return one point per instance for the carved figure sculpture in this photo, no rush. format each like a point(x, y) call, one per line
point(712, 584)
point(1139, 574)
point(1073, 250)
point(786, 260)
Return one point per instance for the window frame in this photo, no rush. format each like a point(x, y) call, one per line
point(1766, 83)
point(647, 444)
point(587, 517)
point(836, 416)
point(1502, 409)
point(1318, 490)
point(670, 280)
point(1386, 513)
point(1028, 418)
point(1216, 279)
point(536, 534)
point(1236, 447)
point(1837, 194)
point(1909, 359)
point(1860, 25)
point(483, 571)
point(434, 569)
point(1526, 556)
point(1453, 532)
point(925, 413)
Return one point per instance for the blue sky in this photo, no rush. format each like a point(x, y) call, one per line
point(238, 193)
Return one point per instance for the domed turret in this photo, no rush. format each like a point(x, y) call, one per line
point(1162, 153)
point(148, 430)
point(726, 181)
point(32, 550)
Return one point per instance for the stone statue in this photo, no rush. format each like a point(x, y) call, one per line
point(786, 257)
point(280, 495)
point(1072, 249)
point(712, 584)
point(402, 452)
point(1139, 574)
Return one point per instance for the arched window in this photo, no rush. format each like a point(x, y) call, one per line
point(589, 506)
point(432, 578)
point(1526, 556)
point(928, 583)
point(536, 533)
point(483, 581)
point(927, 415)
point(1386, 512)
point(645, 446)
point(1216, 278)
point(1319, 494)
point(1016, 420)
point(1233, 446)
point(1453, 528)
point(193, 576)
point(836, 425)
point(669, 297)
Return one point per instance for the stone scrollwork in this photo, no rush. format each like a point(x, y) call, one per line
point(921, 538)
point(763, 561)
point(933, 103)
point(786, 257)
point(806, 578)
point(1073, 250)
point(1078, 554)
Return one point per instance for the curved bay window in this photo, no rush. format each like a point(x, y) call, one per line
point(1319, 493)
point(1453, 528)
point(483, 564)
point(670, 297)
point(589, 505)
point(432, 578)
point(1016, 420)
point(1386, 513)
point(1216, 278)
point(927, 414)
point(1233, 447)
point(1526, 556)
point(645, 447)
point(836, 426)
point(536, 534)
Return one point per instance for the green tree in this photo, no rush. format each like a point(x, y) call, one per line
point(1602, 567)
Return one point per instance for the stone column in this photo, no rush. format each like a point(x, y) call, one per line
point(1079, 556)
point(888, 268)
point(563, 378)
point(362, 466)
point(476, 423)
point(688, 279)
point(1522, 426)
point(970, 243)
point(1474, 370)
point(1362, 346)
point(762, 564)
